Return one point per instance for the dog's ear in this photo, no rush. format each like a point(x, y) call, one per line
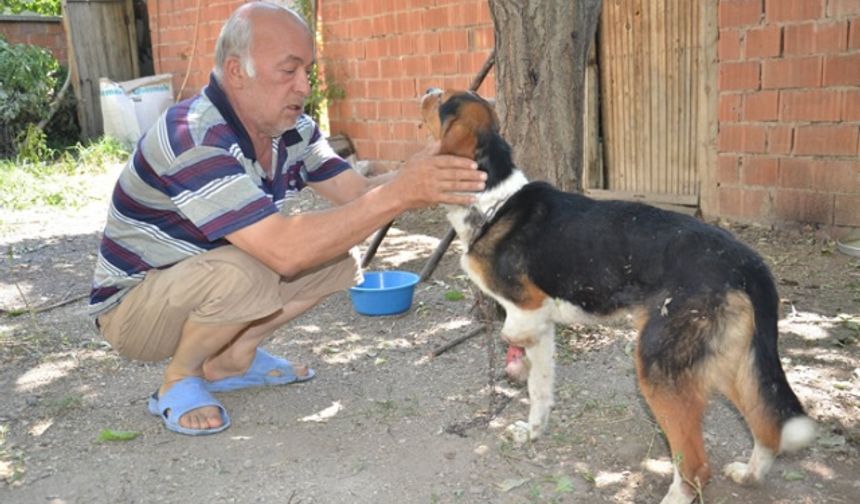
point(465, 119)
point(458, 139)
point(430, 114)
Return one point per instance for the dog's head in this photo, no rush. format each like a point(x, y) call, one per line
point(466, 125)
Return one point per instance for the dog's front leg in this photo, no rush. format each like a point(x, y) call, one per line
point(541, 380)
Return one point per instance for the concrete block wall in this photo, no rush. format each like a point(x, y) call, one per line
point(789, 111)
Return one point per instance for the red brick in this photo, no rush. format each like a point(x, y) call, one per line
point(854, 33)
point(851, 106)
point(390, 110)
point(454, 41)
point(847, 210)
point(378, 88)
point(729, 201)
point(804, 206)
point(780, 139)
point(361, 29)
point(793, 10)
point(365, 109)
point(368, 69)
point(842, 70)
point(815, 38)
point(792, 72)
point(444, 63)
point(763, 42)
point(843, 7)
point(729, 45)
point(739, 13)
point(760, 171)
point(811, 105)
point(427, 43)
point(436, 18)
point(730, 107)
point(761, 106)
point(837, 176)
point(742, 138)
point(755, 203)
point(796, 173)
point(826, 140)
point(736, 76)
point(728, 169)
point(748, 204)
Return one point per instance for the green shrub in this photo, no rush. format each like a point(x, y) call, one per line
point(63, 183)
point(32, 78)
point(43, 7)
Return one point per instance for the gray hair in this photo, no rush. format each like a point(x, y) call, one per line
point(234, 40)
point(235, 37)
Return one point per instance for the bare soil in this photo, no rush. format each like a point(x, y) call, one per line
point(411, 428)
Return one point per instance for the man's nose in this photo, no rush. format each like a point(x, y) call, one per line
point(304, 85)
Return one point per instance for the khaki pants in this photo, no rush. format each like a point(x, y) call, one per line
point(221, 286)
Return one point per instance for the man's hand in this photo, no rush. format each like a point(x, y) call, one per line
point(428, 179)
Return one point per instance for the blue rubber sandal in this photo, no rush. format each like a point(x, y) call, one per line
point(185, 395)
point(259, 374)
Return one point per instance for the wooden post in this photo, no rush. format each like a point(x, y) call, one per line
point(102, 42)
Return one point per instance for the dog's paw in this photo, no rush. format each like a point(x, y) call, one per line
point(739, 473)
point(536, 431)
point(519, 432)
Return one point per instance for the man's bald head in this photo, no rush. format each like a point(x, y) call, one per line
point(237, 34)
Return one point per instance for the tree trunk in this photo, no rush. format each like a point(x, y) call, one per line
point(541, 58)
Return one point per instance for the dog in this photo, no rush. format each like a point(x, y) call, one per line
point(704, 304)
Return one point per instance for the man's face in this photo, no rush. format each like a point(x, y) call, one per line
point(282, 53)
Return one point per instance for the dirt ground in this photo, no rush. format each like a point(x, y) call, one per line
point(409, 428)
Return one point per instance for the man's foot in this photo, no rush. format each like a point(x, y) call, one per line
point(186, 407)
point(226, 373)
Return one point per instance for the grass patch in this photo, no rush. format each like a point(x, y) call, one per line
point(56, 179)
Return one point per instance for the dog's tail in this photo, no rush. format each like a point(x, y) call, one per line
point(796, 430)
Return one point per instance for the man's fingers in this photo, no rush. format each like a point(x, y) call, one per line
point(458, 199)
point(448, 161)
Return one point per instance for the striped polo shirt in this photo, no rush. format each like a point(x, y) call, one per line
point(192, 180)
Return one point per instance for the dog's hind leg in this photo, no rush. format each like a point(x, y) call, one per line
point(541, 380)
point(745, 375)
point(678, 406)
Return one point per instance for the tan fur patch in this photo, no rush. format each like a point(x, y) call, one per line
point(532, 296)
point(679, 411)
point(732, 369)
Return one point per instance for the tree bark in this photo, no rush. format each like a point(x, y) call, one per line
point(541, 58)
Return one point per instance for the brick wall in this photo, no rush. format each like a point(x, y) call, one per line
point(789, 88)
point(173, 26)
point(386, 53)
point(383, 53)
point(45, 32)
point(789, 111)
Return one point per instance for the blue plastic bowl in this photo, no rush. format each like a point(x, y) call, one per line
point(384, 292)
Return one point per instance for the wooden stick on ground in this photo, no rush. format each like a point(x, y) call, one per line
point(456, 341)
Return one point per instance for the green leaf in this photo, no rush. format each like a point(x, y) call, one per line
point(790, 475)
point(454, 295)
point(511, 483)
point(117, 435)
point(563, 485)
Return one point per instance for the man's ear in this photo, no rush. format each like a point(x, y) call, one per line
point(234, 73)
